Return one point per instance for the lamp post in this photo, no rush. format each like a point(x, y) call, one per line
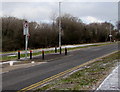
point(60, 26)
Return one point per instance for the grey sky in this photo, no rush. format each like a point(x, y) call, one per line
point(41, 11)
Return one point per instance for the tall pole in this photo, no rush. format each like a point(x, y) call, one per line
point(26, 45)
point(110, 32)
point(26, 33)
point(60, 26)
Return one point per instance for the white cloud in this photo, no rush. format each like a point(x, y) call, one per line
point(42, 11)
point(32, 12)
point(90, 19)
point(46, 21)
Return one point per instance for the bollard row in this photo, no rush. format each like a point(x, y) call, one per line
point(43, 54)
point(30, 54)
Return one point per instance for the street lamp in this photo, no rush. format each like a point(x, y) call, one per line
point(60, 26)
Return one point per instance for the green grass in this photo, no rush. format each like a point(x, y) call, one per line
point(87, 78)
point(5, 58)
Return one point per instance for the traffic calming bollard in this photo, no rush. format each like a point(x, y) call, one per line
point(18, 54)
point(30, 54)
point(55, 49)
point(65, 51)
point(42, 54)
point(60, 50)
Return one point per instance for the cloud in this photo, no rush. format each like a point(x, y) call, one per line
point(31, 13)
point(90, 19)
point(102, 10)
point(27, 11)
point(42, 11)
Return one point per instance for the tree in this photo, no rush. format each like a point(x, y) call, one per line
point(74, 31)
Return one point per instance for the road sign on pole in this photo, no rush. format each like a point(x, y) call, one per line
point(25, 28)
point(110, 35)
point(26, 33)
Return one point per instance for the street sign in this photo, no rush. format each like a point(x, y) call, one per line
point(110, 35)
point(25, 28)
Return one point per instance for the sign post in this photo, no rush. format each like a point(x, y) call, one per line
point(110, 37)
point(26, 33)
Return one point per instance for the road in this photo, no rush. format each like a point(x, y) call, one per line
point(20, 78)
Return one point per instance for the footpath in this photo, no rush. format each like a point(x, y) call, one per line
point(112, 82)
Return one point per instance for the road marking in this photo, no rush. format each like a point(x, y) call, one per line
point(52, 78)
point(47, 80)
point(59, 74)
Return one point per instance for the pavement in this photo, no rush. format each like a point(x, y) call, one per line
point(24, 77)
point(111, 82)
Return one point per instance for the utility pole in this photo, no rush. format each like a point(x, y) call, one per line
point(60, 26)
point(110, 32)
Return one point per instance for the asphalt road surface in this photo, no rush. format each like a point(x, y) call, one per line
point(21, 78)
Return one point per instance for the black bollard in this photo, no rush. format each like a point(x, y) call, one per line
point(30, 54)
point(65, 51)
point(42, 54)
point(18, 54)
point(60, 50)
point(55, 49)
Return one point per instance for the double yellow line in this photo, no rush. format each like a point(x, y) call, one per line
point(51, 78)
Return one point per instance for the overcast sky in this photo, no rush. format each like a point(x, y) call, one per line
point(42, 11)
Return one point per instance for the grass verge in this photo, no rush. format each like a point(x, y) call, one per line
point(87, 78)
